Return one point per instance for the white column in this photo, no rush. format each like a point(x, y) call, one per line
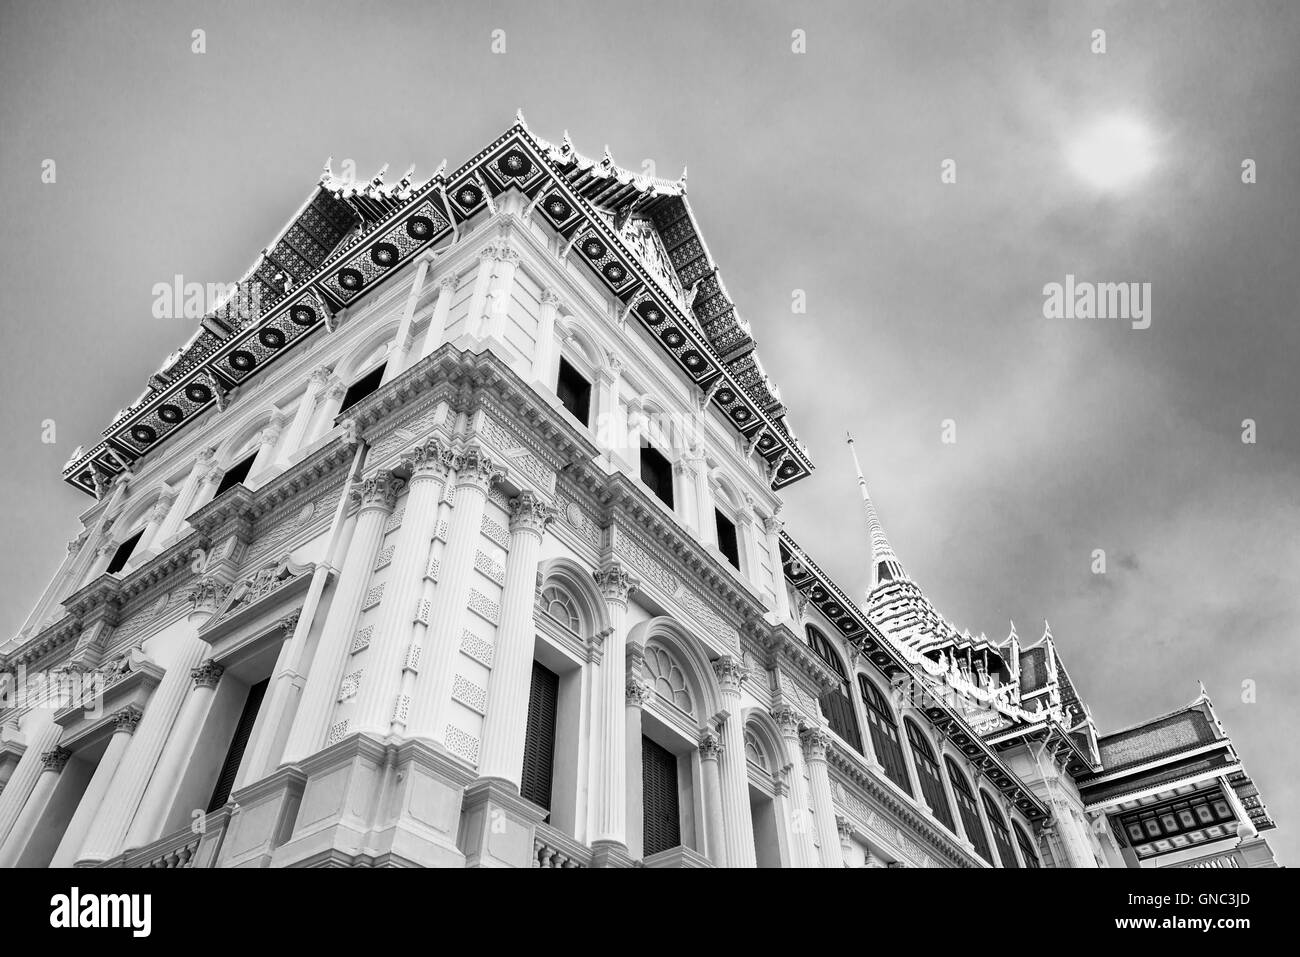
point(264, 463)
point(745, 534)
point(816, 744)
point(296, 437)
point(377, 497)
point(506, 722)
point(438, 321)
point(156, 803)
point(684, 495)
point(476, 472)
point(477, 322)
point(610, 758)
point(95, 798)
point(157, 517)
point(803, 850)
point(715, 828)
point(172, 528)
point(326, 409)
point(402, 343)
point(704, 501)
point(542, 357)
point(1073, 838)
point(636, 693)
point(503, 281)
point(735, 773)
point(105, 837)
point(607, 429)
point(209, 479)
point(379, 705)
point(52, 764)
point(772, 529)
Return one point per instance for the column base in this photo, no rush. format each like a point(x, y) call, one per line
point(260, 819)
point(610, 854)
point(373, 803)
point(497, 826)
point(677, 857)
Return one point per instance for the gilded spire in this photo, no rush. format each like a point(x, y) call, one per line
point(885, 565)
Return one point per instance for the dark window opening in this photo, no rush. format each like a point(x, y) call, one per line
point(662, 825)
point(727, 538)
point(358, 390)
point(539, 737)
point(1001, 836)
point(657, 473)
point(1026, 847)
point(236, 474)
point(927, 769)
point(836, 704)
point(123, 553)
point(573, 391)
point(884, 734)
point(970, 815)
point(235, 754)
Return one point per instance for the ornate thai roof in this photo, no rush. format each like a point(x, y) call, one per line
point(636, 233)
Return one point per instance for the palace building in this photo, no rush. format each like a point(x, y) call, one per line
point(454, 539)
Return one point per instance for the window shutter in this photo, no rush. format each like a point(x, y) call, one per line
point(884, 734)
point(539, 739)
point(928, 771)
point(970, 815)
point(1000, 836)
point(226, 780)
point(662, 828)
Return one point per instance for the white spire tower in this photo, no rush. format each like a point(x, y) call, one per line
point(885, 565)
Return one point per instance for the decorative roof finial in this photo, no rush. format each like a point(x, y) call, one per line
point(1047, 631)
point(885, 565)
point(1013, 634)
point(607, 161)
point(519, 118)
point(681, 180)
point(326, 173)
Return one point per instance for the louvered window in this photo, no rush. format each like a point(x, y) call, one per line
point(836, 704)
point(1027, 850)
point(970, 814)
point(927, 769)
point(884, 734)
point(659, 798)
point(235, 754)
point(1001, 836)
point(539, 738)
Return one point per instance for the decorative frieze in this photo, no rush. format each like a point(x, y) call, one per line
point(483, 606)
point(422, 612)
point(361, 640)
point(492, 570)
point(401, 709)
point(434, 567)
point(469, 694)
point(496, 532)
point(385, 557)
point(337, 733)
point(373, 597)
point(350, 686)
point(412, 662)
point(477, 648)
point(395, 521)
point(461, 743)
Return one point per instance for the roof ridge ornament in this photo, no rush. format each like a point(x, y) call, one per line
point(882, 553)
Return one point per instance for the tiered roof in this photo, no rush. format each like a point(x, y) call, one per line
point(637, 234)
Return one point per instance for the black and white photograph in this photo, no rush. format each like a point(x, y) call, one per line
point(659, 435)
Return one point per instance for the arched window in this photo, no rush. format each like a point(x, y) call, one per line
point(1001, 836)
point(1027, 850)
point(884, 734)
point(927, 769)
point(970, 814)
point(836, 703)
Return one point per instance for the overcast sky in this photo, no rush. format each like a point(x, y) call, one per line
point(817, 171)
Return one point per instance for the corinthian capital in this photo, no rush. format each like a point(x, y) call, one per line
point(730, 674)
point(55, 759)
point(529, 513)
point(710, 746)
point(128, 719)
point(206, 674)
point(432, 459)
point(475, 469)
point(380, 491)
point(816, 743)
point(787, 719)
point(206, 596)
point(637, 692)
point(614, 582)
point(550, 297)
point(774, 523)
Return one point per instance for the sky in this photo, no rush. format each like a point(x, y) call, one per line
point(818, 171)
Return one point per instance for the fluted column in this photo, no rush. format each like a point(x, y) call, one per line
point(438, 320)
point(294, 439)
point(772, 529)
point(477, 323)
point(816, 744)
point(610, 757)
point(715, 828)
point(803, 849)
point(476, 472)
point(845, 829)
point(327, 407)
point(735, 773)
point(151, 535)
point(543, 356)
point(1073, 837)
point(96, 795)
point(41, 736)
point(606, 422)
point(173, 526)
point(53, 761)
point(636, 693)
point(156, 804)
point(265, 460)
point(377, 497)
point(506, 722)
point(403, 341)
point(503, 280)
point(106, 835)
point(704, 501)
point(379, 704)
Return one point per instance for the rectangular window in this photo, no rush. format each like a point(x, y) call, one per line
point(657, 473)
point(358, 390)
point(123, 553)
point(235, 474)
point(235, 753)
point(539, 737)
point(727, 538)
point(573, 391)
point(662, 828)
point(970, 815)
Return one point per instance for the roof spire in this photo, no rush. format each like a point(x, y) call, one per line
point(885, 565)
